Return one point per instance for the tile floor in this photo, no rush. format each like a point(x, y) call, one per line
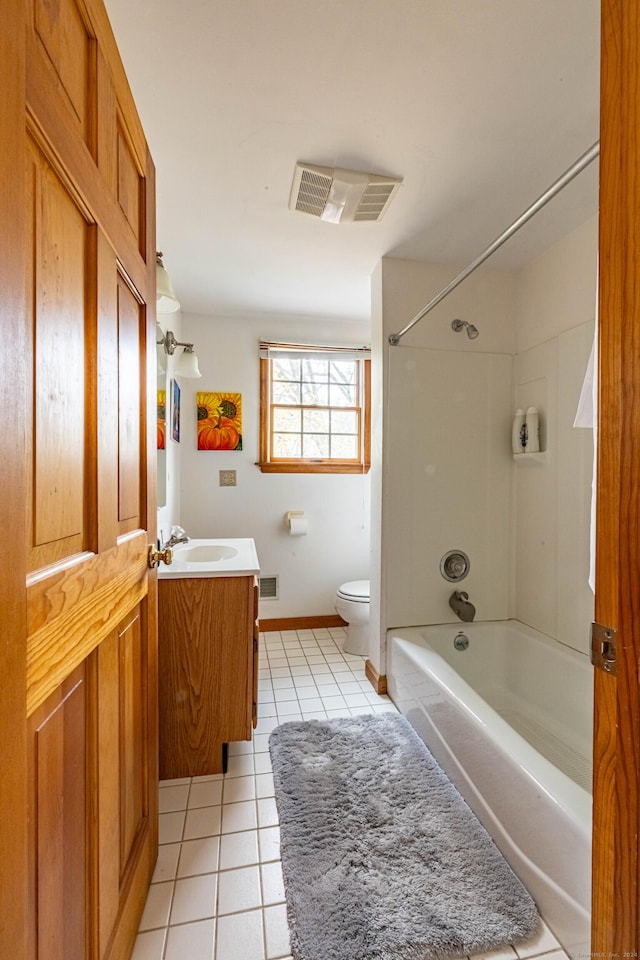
point(217, 891)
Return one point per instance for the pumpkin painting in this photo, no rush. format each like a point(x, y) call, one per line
point(162, 416)
point(219, 421)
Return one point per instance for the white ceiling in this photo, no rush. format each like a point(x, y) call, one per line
point(478, 104)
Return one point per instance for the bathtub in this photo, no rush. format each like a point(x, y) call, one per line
point(510, 719)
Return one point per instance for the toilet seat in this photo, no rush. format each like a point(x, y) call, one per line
point(356, 591)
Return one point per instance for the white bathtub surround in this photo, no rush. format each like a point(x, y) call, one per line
point(509, 720)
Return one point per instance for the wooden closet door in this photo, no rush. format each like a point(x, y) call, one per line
point(89, 498)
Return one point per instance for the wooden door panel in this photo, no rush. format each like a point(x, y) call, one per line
point(134, 807)
point(58, 806)
point(131, 326)
point(131, 192)
point(127, 805)
point(67, 43)
point(58, 291)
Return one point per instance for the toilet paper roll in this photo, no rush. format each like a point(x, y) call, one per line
point(298, 526)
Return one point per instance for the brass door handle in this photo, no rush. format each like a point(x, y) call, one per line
point(155, 557)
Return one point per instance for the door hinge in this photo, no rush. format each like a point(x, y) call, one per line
point(603, 648)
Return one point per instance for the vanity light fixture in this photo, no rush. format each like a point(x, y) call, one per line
point(187, 362)
point(166, 300)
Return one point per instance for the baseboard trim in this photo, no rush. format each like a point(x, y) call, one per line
point(301, 623)
point(377, 680)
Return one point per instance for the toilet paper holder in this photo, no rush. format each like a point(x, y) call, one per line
point(296, 522)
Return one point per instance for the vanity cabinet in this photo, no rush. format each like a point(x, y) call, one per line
point(208, 670)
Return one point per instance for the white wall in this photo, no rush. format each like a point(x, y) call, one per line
point(336, 548)
point(556, 296)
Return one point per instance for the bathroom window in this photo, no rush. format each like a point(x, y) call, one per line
point(314, 409)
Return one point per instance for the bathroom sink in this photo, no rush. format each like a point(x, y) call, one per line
point(206, 553)
point(230, 557)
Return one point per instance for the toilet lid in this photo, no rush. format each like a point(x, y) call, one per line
point(357, 590)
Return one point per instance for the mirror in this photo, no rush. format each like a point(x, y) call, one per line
point(161, 386)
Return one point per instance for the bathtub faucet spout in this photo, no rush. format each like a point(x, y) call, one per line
point(462, 606)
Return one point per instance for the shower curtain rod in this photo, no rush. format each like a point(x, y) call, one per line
point(588, 157)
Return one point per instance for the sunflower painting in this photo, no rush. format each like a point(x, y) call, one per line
point(219, 421)
point(162, 418)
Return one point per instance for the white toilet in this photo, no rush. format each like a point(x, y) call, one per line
point(352, 603)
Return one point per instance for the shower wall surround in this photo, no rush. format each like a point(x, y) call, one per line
point(443, 475)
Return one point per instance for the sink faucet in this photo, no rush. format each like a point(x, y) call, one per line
point(462, 606)
point(178, 535)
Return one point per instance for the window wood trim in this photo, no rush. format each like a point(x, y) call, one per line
point(313, 466)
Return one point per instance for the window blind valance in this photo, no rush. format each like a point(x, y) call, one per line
point(300, 351)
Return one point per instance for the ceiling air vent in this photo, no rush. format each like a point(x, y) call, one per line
point(340, 196)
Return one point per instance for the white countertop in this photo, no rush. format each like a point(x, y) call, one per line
point(244, 562)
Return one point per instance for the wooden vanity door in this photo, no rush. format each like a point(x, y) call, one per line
point(91, 632)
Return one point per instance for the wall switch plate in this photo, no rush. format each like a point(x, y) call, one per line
point(227, 478)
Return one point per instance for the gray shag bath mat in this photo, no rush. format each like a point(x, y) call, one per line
point(382, 858)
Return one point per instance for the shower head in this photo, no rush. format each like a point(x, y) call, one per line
point(458, 325)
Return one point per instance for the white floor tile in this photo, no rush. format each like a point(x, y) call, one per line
point(264, 785)
point(238, 789)
point(283, 683)
point(543, 942)
point(272, 883)
point(288, 693)
point(173, 798)
point(199, 856)
point(149, 946)
point(267, 812)
point(239, 849)
point(239, 816)
point(202, 822)
point(355, 700)
point(170, 827)
point(280, 672)
point(269, 844)
point(240, 766)
point(300, 671)
point(267, 709)
point(167, 862)
point(206, 793)
point(333, 703)
point(240, 936)
point(262, 763)
point(192, 940)
point(314, 715)
point(156, 909)
point(311, 702)
point(266, 725)
point(328, 690)
point(239, 890)
point(301, 682)
point(260, 743)
point(194, 898)
point(288, 708)
point(506, 953)
point(174, 783)
point(240, 746)
point(276, 931)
